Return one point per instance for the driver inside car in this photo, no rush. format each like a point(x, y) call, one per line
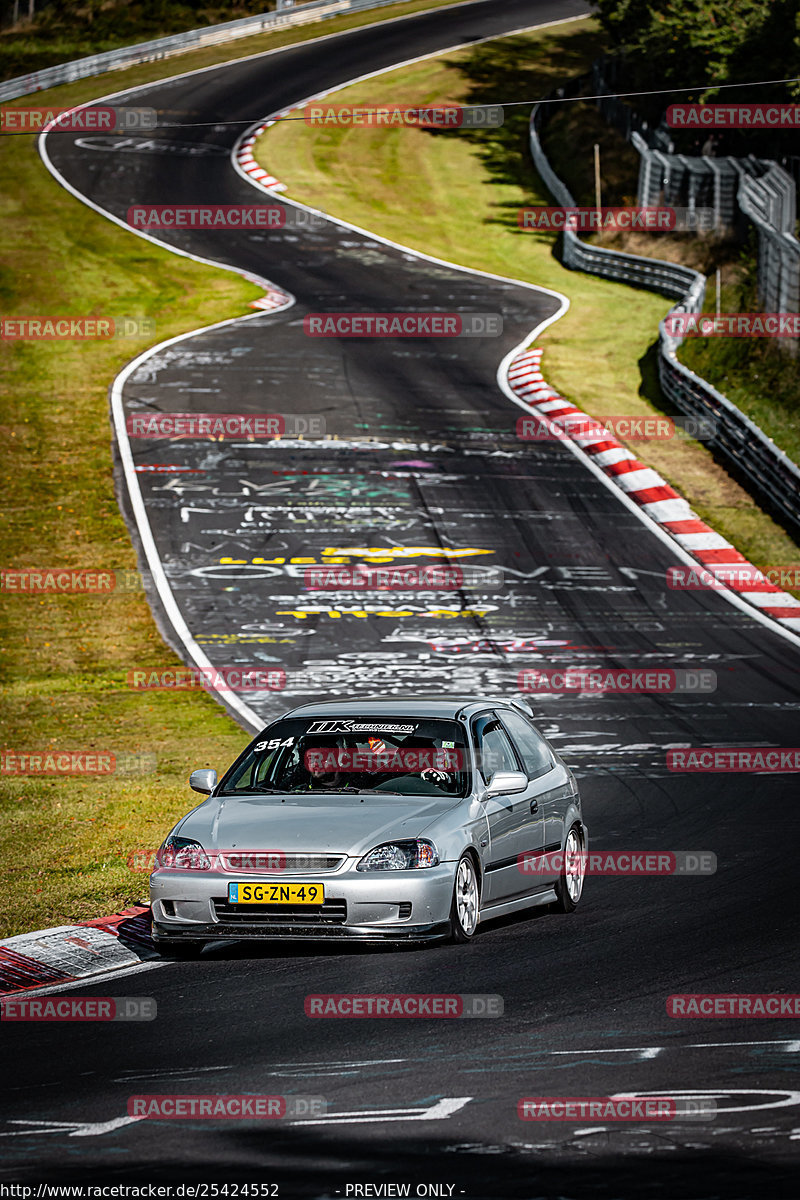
point(313, 770)
point(426, 778)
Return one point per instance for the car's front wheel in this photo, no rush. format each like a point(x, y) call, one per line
point(466, 899)
point(569, 886)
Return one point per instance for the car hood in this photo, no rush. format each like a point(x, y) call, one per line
point(346, 824)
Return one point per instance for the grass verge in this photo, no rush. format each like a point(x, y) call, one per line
point(65, 658)
point(756, 374)
point(456, 194)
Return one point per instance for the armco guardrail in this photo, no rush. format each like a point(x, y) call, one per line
point(653, 273)
point(177, 43)
point(755, 456)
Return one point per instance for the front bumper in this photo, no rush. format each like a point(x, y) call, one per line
point(403, 906)
point(352, 933)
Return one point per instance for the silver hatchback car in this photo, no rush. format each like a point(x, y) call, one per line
point(376, 820)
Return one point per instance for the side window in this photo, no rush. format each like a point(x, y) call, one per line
point(494, 749)
point(531, 746)
point(253, 773)
point(244, 778)
point(263, 768)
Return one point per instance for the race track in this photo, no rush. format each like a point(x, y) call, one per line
point(421, 452)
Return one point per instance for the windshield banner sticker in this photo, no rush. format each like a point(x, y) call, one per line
point(339, 726)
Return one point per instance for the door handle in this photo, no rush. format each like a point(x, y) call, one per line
point(534, 805)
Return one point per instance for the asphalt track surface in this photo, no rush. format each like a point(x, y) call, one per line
point(585, 995)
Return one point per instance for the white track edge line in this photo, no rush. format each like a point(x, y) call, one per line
point(165, 593)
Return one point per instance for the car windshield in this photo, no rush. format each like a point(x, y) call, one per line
point(311, 755)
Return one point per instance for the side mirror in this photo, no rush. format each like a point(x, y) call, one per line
point(203, 780)
point(506, 783)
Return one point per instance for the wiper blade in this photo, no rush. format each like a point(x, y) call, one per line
point(345, 791)
point(251, 791)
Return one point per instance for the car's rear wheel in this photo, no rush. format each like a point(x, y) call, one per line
point(178, 947)
point(569, 887)
point(466, 900)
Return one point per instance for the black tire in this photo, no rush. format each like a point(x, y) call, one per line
point(566, 898)
point(178, 947)
point(467, 884)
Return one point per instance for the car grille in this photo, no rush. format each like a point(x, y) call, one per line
point(330, 912)
point(249, 862)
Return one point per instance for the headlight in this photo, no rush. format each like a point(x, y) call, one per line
point(182, 854)
point(400, 856)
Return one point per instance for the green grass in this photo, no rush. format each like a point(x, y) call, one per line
point(64, 659)
point(456, 195)
point(756, 374)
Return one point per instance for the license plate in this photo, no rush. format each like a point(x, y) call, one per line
point(275, 893)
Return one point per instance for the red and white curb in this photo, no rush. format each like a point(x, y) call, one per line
point(68, 953)
point(244, 157)
point(274, 297)
point(653, 494)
